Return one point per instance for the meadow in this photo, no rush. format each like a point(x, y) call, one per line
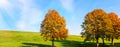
point(33, 39)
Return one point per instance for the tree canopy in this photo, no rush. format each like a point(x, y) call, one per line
point(53, 27)
point(96, 25)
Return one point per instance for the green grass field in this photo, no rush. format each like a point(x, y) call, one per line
point(33, 39)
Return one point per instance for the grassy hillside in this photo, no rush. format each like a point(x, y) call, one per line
point(33, 39)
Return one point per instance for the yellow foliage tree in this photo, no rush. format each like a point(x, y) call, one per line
point(96, 24)
point(115, 24)
point(53, 27)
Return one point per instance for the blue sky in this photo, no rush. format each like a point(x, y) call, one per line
point(27, 14)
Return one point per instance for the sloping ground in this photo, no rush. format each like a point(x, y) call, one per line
point(33, 39)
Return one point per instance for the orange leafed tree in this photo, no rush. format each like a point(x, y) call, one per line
point(115, 23)
point(53, 27)
point(95, 25)
point(118, 30)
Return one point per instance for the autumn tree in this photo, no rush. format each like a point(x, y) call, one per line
point(118, 30)
point(95, 25)
point(53, 27)
point(115, 24)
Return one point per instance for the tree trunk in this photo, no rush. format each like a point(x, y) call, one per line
point(97, 43)
point(53, 42)
point(112, 41)
point(103, 42)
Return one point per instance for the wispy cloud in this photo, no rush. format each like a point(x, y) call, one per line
point(7, 6)
point(5, 3)
point(67, 4)
point(30, 16)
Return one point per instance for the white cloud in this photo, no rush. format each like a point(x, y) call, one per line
point(30, 16)
point(5, 3)
point(7, 6)
point(67, 4)
point(21, 25)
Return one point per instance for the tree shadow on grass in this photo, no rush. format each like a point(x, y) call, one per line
point(35, 44)
point(67, 43)
point(117, 45)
